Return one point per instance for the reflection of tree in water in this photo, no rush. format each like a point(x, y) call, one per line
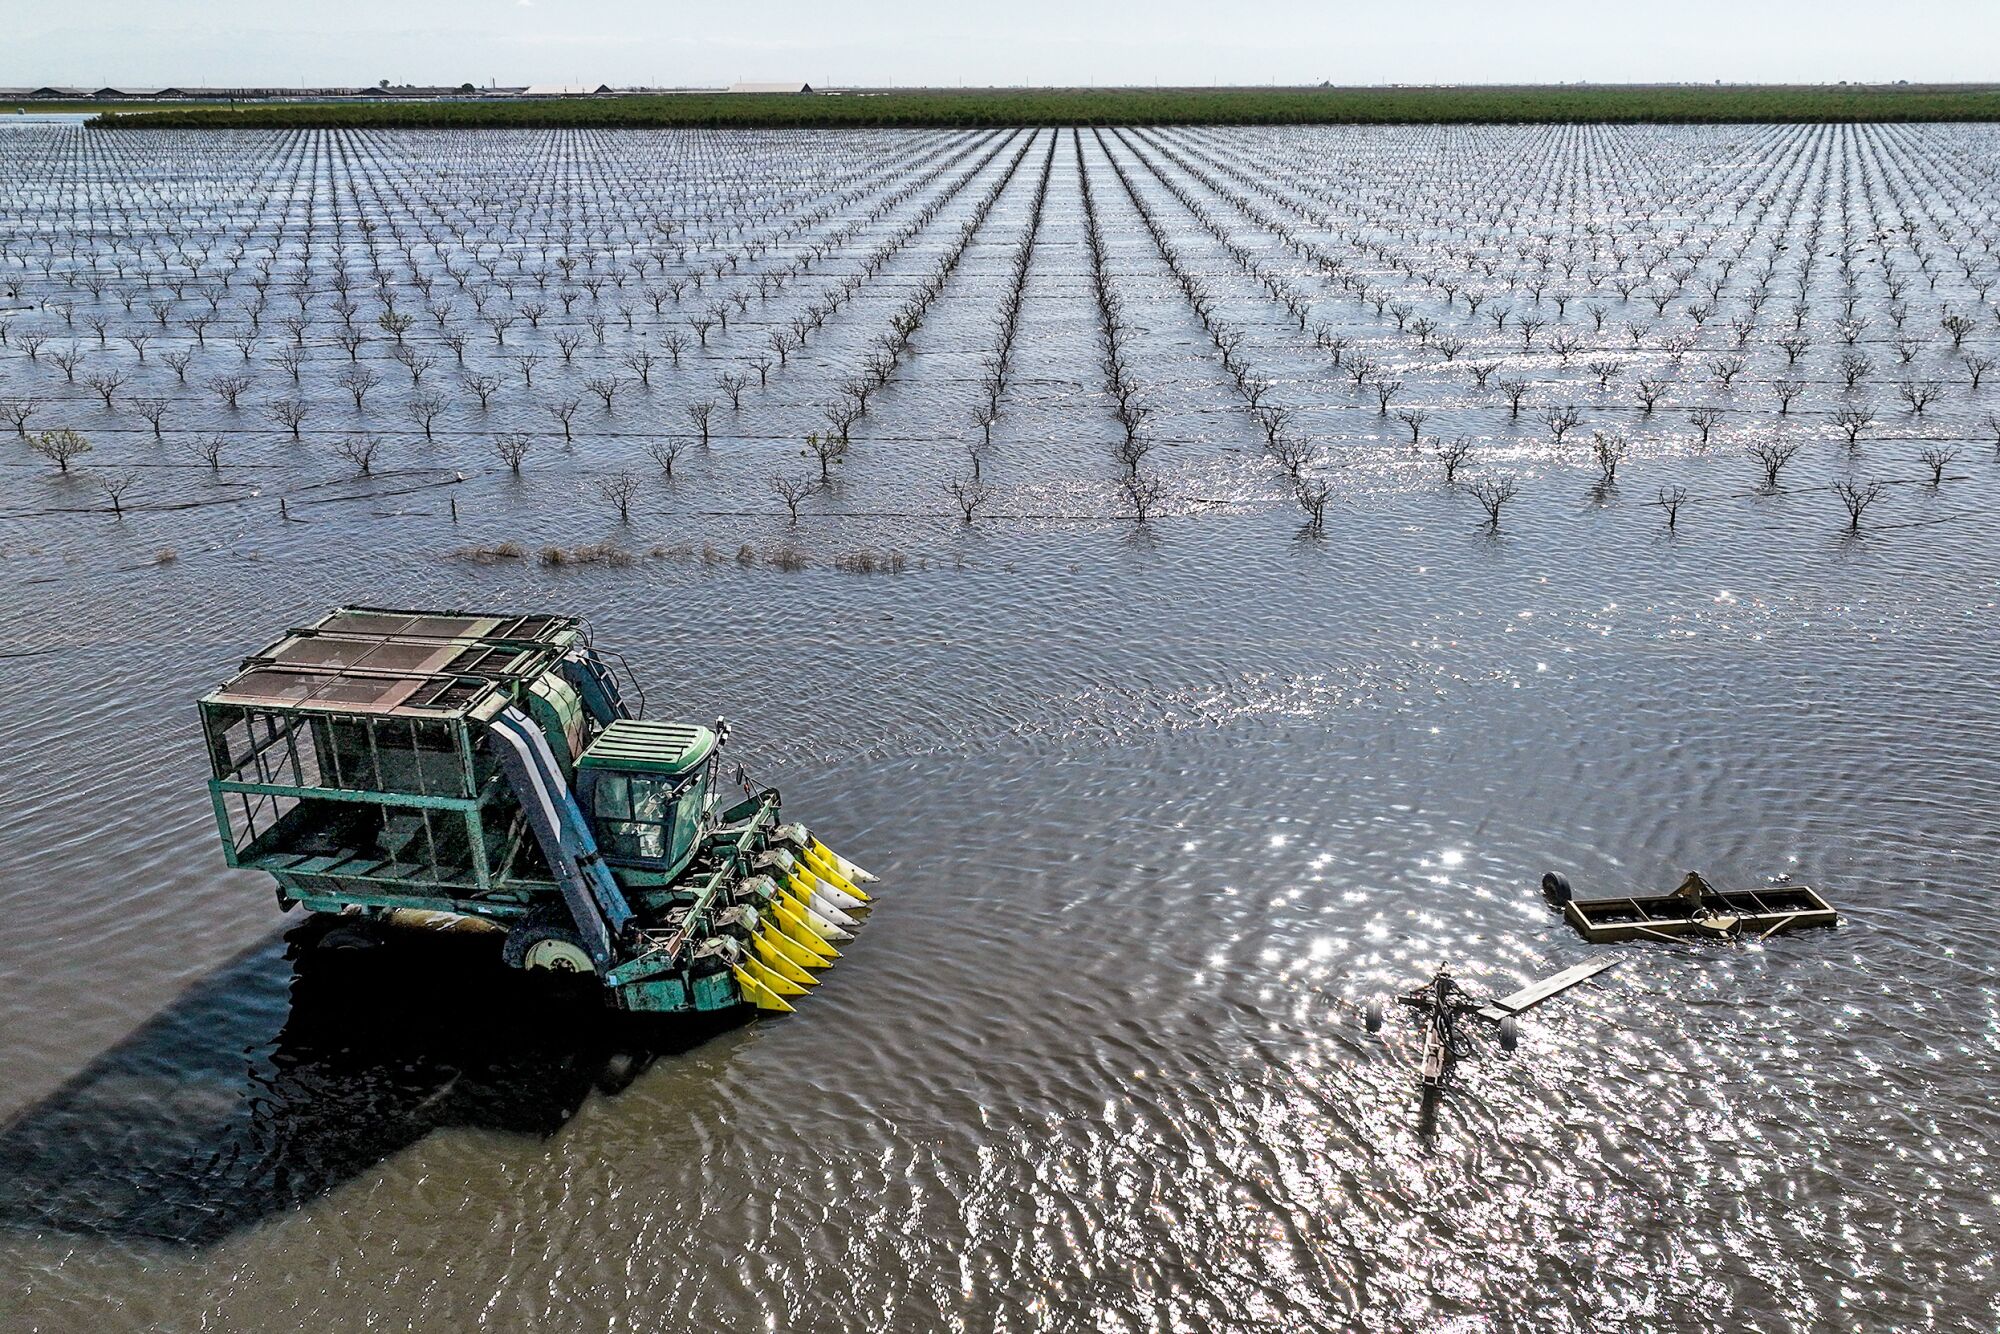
point(240, 1101)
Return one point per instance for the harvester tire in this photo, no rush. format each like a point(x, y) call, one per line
point(547, 941)
point(348, 938)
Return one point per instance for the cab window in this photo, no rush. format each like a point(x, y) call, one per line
point(634, 815)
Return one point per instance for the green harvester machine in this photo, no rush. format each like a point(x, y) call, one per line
point(381, 764)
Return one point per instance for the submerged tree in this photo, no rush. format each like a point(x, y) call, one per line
point(513, 447)
point(1670, 500)
point(619, 490)
point(792, 492)
point(1492, 493)
point(969, 494)
point(1857, 497)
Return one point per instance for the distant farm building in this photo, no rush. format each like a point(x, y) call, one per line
point(567, 89)
point(770, 87)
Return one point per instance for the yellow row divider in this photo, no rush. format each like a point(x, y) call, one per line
point(796, 927)
point(774, 959)
point(760, 995)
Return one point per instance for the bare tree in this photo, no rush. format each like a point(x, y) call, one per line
point(418, 364)
point(152, 409)
point(359, 450)
point(208, 449)
point(563, 409)
point(619, 489)
point(1561, 420)
point(424, 408)
point(1313, 493)
point(60, 447)
point(1704, 420)
point(1920, 394)
point(290, 413)
point(733, 383)
point(357, 381)
point(792, 492)
point(106, 383)
point(483, 387)
point(1857, 497)
point(664, 451)
point(1414, 418)
point(1609, 449)
point(1131, 452)
point(699, 416)
point(1670, 499)
point(1937, 459)
point(1453, 455)
point(1492, 493)
point(984, 414)
point(114, 485)
point(1772, 456)
point(1853, 420)
point(229, 388)
point(16, 410)
point(841, 416)
point(291, 360)
point(1144, 493)
point(513, 447)
point(969, 494)
point(605, 387)
point(640, 363)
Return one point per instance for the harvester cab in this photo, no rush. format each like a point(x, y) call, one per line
point(383, 762)
point(648, 788)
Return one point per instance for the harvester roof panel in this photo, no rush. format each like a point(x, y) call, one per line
point(410, 663)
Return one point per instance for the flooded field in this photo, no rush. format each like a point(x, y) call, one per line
point(1210, 575)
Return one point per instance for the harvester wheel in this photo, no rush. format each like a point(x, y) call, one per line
point(1372, 1016)
point(547, 941)
point(1555, 888)
point(1510, 1033)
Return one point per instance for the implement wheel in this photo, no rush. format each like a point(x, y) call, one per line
point(547, 941)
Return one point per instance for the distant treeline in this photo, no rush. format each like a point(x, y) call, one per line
point(950, 108)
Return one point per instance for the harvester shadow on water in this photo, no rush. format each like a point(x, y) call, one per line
point(295, 1069)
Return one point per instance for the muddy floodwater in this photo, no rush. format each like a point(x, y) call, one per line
point(1158, 806)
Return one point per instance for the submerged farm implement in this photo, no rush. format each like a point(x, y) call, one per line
point(1451, 1017)
point(384, 762)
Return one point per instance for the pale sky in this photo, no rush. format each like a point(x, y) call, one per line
point(910, 42)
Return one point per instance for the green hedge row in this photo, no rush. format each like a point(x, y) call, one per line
point(945, 108)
